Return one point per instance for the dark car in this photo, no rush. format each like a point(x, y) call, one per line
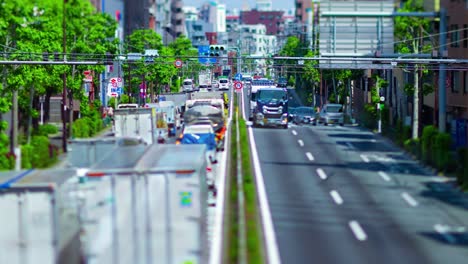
point(304, 115)
point(282, 82)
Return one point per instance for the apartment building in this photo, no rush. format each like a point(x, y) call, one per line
point(457, 77)
point(273, 20)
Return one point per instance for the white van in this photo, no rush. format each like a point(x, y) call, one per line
point(187, 85)
point(223, 84)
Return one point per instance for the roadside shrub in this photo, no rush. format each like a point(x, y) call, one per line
point(47, 129)
point(441, 150)
point(80, 128)
point(427, 138)
point(26, 156)
point(462, 169)
point(413, 146)
point(40, 157)
point(369, 116)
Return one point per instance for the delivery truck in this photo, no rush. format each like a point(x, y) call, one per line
point(136, 122)
point(39, 217)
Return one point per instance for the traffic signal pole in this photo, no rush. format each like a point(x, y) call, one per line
point(64, 77)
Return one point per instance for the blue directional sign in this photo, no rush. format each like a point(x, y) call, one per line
point(204, 53)
point(238, 76)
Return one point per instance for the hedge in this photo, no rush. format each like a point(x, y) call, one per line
point(441, 154)
point(413, 146)
point(462, 168)
point(427, 139)
point(39, 154)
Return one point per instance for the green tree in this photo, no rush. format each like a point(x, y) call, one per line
point(411, 31)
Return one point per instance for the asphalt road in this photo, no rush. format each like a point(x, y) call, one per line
point(345, 195)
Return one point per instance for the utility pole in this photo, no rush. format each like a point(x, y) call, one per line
point(64, 77)
point(442, 69)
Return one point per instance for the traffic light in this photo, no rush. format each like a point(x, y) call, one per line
point(217, 50)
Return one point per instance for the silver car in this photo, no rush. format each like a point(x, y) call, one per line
point(331, 114)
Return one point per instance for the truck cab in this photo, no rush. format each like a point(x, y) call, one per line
point(271, 107)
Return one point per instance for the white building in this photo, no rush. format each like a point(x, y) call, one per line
point(255, 42)
point(264, 5)
point(191, 13)
point(221, 18)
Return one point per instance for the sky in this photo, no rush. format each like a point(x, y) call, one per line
point(277, 4)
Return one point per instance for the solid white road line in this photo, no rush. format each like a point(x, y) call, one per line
point(384, 176)
point(364, 158)
point(217, 239)
point(336, 197)
point(322, 174)
point(272, 253)
point(310, 156)
point(294, 132)
point(301, 143)
point(443, 231)
point(357, 230)
point(410, 200)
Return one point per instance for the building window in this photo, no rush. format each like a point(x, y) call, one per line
point(465, 86)
point(455, 82)
point(454, 36)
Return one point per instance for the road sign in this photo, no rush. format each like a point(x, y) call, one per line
point(178, 63)
point(238, 85)
point(204, 53)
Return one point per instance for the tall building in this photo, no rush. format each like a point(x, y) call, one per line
point(221, 18)
point(177, 19)
point(457, 79)
point(301, 10)
point(273, 20)
point(136, 15)
point(163, 19)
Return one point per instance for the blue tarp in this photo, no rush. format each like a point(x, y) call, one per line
point(207, 138)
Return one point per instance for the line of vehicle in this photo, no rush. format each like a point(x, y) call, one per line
point(409, 199)
point(357, 230)
point(336, 197)
point(272, 252)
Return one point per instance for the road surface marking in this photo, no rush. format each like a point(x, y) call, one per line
point(443, 231)
point(322, 174)
point(301, 143)
point(373, 140)
point(357, 231)
point(294, 132)
point(384, 176)
point(350, 146)
point(410, 200)
point(365, 158)
point(309, 156)
point(272, 252)
point(336, 197)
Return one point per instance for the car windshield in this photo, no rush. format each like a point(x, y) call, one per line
point(187, 83)
point(334, 108)
point(223, 81)
point(271, 94)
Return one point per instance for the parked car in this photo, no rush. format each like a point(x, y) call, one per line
point(304, 115)
point(331, 114)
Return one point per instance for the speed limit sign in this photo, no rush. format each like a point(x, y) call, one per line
point(178, 63)
point(238, 85)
